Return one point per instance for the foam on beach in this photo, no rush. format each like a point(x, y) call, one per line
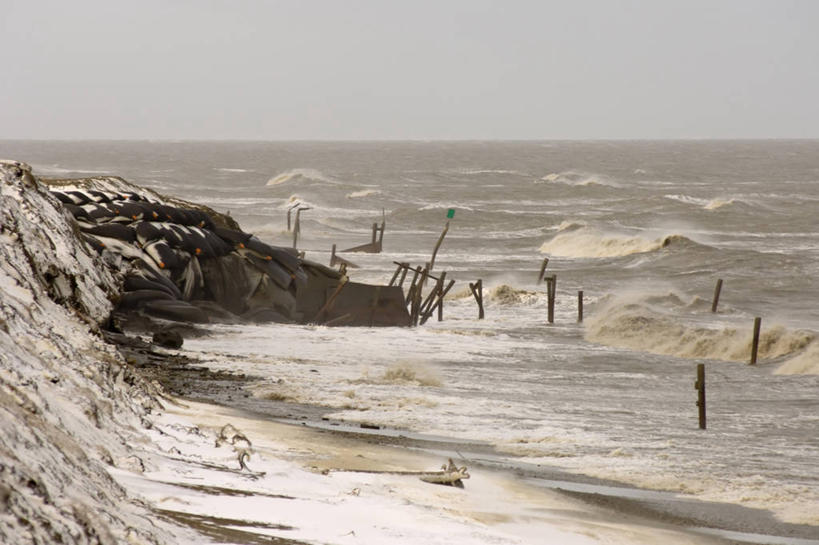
point(313, 486)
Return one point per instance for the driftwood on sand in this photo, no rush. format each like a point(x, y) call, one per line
point(449, 475)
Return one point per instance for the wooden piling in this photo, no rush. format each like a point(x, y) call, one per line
point(427, 304)
point(717, 291)
point(755, 342)
point(416, 306)
point(333, 256)
point(580, 306)
point(542, 270)
point(477, 291)
point(439, 304)
point(395, 275)
point(412, 288)
point(700, 386)
point(438, 245)
point(551, 287)
point(297, 224)
point(404, 269)
point(289, 212)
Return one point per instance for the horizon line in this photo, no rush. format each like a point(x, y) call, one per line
point(421, 140)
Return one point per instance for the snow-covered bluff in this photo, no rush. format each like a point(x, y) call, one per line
point(69, 405)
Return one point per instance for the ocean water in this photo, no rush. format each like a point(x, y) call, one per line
point(643, 228)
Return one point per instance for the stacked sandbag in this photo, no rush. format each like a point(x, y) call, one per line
point(177, 261)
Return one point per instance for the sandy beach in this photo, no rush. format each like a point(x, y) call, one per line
point(307, 475)
point(309, 485)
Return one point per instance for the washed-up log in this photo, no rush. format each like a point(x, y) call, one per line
point(449, 475)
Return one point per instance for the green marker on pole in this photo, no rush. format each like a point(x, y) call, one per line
point(450, 213)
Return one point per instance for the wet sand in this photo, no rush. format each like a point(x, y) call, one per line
point(327, 445)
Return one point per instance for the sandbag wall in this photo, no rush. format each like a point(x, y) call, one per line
point(176, 263)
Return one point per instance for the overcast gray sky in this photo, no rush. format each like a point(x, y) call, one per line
point(461, 69)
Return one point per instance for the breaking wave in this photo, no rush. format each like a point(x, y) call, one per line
point(403, 372)
point(712, 204)
point(363, 193)
point(507, 295)
point(804, 363)
point(578, 179)
point(571, 225)
point(300, 174)
point(576, 240)
point(635, 323)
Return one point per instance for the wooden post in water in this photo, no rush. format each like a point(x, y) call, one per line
point(580, 306)
point(394, 276)
point(416, 305)
point(381, 229)
point(411, 291)
point(427, 304)
point(297, 224)
point(405, 269)
point(441, 300)
point(542, 270)
point(289, 212)
point(755, 342)
point(551, 287)
point(477, 291)
point(700, 386)
point(717, 291)
point(333, 256)
point(438, 303)
point(438, 245)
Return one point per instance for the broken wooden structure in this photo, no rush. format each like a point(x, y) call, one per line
point(377, 242)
